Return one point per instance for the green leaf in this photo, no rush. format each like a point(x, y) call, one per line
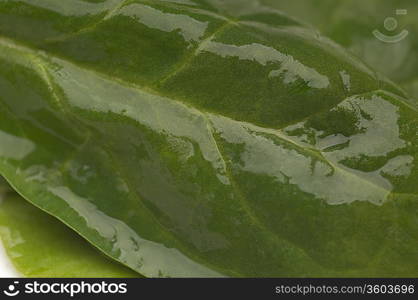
point(41, 246)
point(182, 140)
point(351, 23)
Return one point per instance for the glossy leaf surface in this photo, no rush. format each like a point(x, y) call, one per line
point(352, 24)
point(41, 246)
point(183, 140)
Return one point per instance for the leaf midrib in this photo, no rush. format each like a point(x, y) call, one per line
point(10, 43)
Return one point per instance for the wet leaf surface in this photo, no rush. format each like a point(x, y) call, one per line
point(352, 24)
point(183, 140)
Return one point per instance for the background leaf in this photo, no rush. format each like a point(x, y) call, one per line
point(41, 246)
point(351, 24)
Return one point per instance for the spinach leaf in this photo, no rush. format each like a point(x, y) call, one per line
point(184, 140)
point(41, 246)
point(351, 23)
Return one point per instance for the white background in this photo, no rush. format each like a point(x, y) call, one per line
point(6, 267)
